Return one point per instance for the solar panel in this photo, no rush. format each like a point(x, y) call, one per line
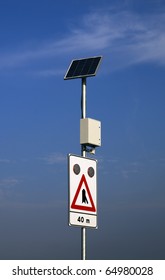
point(85, 67)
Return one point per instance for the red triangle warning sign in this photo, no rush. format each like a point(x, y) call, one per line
point(85, 194)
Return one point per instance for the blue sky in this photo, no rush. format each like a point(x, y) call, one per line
point(39, 124)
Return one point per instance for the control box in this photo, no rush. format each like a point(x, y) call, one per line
point(90, 132)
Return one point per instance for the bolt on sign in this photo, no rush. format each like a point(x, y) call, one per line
point(82, 191)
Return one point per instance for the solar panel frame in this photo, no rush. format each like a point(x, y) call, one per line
point(85, 67)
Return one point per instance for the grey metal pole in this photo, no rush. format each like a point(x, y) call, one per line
point(83, 153)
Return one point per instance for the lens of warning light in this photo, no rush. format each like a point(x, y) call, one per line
point(91, 172)
point(76, 169)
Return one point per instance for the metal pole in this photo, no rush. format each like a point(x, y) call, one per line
point(83, 153)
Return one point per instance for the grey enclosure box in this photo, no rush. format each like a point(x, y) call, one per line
point(90, 132)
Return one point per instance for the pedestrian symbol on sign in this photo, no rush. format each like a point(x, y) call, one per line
point(84, 198)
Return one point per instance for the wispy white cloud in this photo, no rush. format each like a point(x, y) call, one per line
point(52, 204)
point(50, 72)
point(6, 188)
point(9, 182)
point(54, 158)
point(129, 172)
point(122, 167)
point(123, 204)
point(4, 160)
point(123, 37)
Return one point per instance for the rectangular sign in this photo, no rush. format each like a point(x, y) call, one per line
point(82, 191)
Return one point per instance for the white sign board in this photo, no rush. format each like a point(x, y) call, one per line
point(82, 191)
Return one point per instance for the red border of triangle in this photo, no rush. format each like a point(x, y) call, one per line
point(81, 207)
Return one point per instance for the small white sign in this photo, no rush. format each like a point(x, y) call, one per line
point(82, 191)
